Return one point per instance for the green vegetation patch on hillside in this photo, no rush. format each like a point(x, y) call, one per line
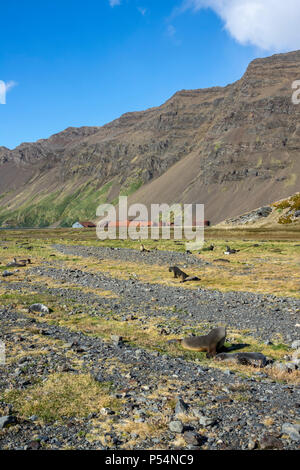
point(81, 204)
point(289, 206)
point(292, 203)
point(131, 185)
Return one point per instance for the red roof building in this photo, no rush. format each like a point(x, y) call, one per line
point(87, 224)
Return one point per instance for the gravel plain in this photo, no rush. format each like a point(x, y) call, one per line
point(194, 406)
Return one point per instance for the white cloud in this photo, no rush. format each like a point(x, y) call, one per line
point(171, 31)
point(114, 3)
point(4, 89)
point(10, 85)
point(142, 11)
point(268, 24)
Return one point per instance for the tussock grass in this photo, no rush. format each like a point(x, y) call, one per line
point(154, 426)
point(61, 395)
point(274, 351)
point(271, 372)
point(179, 442)
point(146, 336)
point(16, 350)
point(268, 421)
point(282, 376)
point(25, 299)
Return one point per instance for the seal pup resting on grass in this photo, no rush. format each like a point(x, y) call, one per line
point(16, 264)
point(210, 343)
point(191, 278)
point(245, 358)
point(230, 251)
point(25, 261)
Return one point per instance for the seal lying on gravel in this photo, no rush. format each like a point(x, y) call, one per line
point(245, 358)
point(211, 343)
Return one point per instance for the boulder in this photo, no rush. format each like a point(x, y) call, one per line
point(38, 308)
point(6, 421)
point(176, 426)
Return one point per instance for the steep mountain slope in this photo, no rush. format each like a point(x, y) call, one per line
point(233, 148)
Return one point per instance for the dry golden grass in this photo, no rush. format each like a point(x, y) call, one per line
point(178, 443)
point(275, 351)
point(153, 427)
point(99, 428)
point(268, 421)
point(146, 336)
point(133, 431)
point(16, 352)
point(272, 372)
point(253, 269)
point(185, 418)
point(272, 267)
point(282, 376)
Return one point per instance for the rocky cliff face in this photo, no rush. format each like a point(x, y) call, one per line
point(233, 148)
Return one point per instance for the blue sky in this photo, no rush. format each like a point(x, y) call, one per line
point(75, 63)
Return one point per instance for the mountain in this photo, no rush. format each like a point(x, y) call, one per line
point(283, 212)
point(233, 148)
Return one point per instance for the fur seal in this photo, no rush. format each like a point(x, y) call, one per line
point(16, 264)
point(230, 251)
point(210, 343)
point(178, 273)
point(7, 273)
point(191, 278)
point(246, 358)
point(25, 261)
point(208, 248)
point(143, 249)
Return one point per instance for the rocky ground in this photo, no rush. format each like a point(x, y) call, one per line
point(154, 396)
point(159, 257)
